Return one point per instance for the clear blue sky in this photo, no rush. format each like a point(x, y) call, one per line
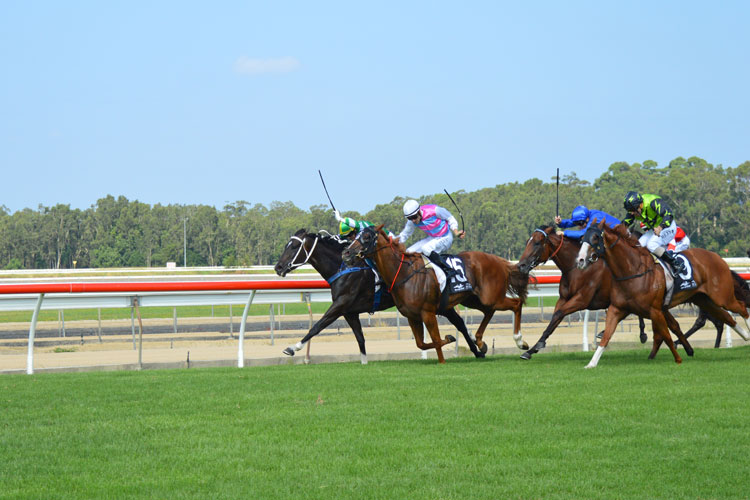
point(214, 102)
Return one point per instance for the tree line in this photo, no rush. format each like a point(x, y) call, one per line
point(709, 202)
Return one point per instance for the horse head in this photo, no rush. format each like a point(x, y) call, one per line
point(536, 251)
point(363, 245)
point(296, 252)
point(592, 244)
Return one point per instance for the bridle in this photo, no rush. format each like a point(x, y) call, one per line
point(293, 264)
point(547, 240)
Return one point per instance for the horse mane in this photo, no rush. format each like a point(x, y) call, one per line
point(625, 235)
point(395, 243)
point(332, 240)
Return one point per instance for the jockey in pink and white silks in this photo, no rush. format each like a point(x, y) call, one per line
point(439, 225)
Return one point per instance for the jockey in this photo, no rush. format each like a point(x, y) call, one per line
point(440, 227)
point(581, 219)
point(680, 242)
point(658, 220)
point(349, 228)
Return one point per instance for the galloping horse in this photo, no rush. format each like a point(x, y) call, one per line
point(417, 294)
point(639, 285)
point(352, 288)
point(580, 289)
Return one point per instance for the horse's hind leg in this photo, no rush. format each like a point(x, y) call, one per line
point(705, 302)
point(356, 326)
point(460, 325)
point(517, 309)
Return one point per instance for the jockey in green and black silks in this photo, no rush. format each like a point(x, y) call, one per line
point(658, 220)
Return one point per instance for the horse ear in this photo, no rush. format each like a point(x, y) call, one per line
point(300, 232)
point(601, 222)
point(379, 228)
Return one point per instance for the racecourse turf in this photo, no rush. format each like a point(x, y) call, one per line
point(493, 428)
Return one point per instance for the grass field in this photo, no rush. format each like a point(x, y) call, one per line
point(497, 428)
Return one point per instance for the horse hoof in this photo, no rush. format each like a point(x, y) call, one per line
point(289, 351)
point(525, 346)
point(483, 349)
point(643, 338)
point(449, 339)
point(479, 354)
point(526, 356)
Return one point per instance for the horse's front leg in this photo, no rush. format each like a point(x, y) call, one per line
point(517, 308)
point(562, 308)
point(356, 326)
point(614, 316)
point(333, 312)
point(674, 326)
point(430, 321)
point(659, 326)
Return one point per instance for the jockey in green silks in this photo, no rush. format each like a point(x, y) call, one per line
point(658, 220)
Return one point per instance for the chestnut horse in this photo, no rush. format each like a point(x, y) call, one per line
point(352, 288)
point(580, 289)
point(416, 291)
point(639, 285)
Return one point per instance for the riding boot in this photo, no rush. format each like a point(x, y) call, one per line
point(678, 267)
point(448, 270)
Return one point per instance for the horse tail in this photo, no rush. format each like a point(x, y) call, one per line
point(518, 282)
point(741, 289)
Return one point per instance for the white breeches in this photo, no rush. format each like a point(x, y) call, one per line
point(427, 245)
point(652, 241)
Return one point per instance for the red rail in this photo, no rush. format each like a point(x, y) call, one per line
point(149, 286)
point(195, 286)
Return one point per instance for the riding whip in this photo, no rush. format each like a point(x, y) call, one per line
point(326, 190)
point(459, 210)
point(557, 203)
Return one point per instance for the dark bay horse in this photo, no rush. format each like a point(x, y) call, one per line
point(352, 287)
point(417, 293)
point(580, 289)
point(639, 285)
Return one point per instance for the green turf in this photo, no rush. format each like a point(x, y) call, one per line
point(497, 428)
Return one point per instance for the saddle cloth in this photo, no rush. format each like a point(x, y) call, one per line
point(458, 283)
point(678, 282)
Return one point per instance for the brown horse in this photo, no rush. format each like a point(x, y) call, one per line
point(639, 285)
point(416, 291)
point(580, 289)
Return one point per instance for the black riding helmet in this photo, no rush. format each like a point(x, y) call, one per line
point(633, 200)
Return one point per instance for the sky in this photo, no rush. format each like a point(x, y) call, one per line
point(182, 102)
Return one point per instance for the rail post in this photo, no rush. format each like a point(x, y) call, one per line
point(241, 347)
point(32, 332)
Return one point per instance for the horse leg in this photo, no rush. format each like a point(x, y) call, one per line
point(642, 326)
point(705, 302)
point(356, 326)
point(614, 316)
point(458, 322)
point(675, 327)
point(659, 325)
point(430, 321)
point(562, 309)
point(517, 335)
point(333, 312)
point(719, 330)
point(700, 322)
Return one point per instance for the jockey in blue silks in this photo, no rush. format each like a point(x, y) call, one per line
point(581, 219)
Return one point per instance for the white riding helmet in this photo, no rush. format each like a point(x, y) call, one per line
point(411, 207)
